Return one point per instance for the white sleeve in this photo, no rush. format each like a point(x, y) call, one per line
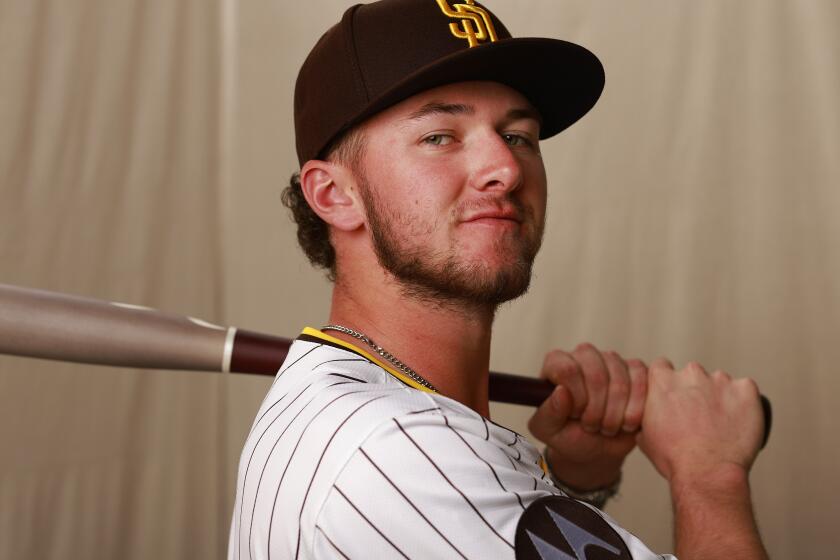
point(433, 486)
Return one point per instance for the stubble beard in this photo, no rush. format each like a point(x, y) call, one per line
point(442, 277)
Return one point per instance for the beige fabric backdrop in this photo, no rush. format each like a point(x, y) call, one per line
point(143, 145)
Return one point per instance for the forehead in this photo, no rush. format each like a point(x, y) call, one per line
point(481, 97)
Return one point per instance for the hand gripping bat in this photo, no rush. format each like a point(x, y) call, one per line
point(53, 326)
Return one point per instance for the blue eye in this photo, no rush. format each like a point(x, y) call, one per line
point(516, 140)
point(438, 139)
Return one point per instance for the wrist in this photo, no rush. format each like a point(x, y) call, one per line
point(725, 482)
point(715, 501)
point(594, 495)
point(591, 475)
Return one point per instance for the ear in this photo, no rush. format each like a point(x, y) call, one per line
point(328, 188)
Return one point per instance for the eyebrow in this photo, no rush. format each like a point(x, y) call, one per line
point(525, 113)
point(439, 108)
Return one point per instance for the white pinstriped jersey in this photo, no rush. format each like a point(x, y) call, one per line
point(346, 459)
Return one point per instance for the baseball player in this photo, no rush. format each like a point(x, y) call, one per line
point(423, 193)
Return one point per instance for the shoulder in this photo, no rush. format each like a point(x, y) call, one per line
point(323, 405)
point(330, 400)
point(334, 384)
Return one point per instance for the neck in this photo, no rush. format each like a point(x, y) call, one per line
point(446, 344)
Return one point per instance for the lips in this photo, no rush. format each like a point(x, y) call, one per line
point(509, 214)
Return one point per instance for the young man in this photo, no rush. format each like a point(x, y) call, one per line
point(423, 191)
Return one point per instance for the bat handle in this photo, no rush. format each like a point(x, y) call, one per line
point(260, 353)
point(768, 418)
point(529, 391)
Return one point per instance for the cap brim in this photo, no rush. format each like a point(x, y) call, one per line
point(562, 80)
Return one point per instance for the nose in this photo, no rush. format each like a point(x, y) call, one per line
point(495, 166)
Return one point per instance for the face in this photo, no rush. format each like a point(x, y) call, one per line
point(454, 189)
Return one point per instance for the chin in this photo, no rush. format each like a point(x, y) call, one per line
point(488, 284)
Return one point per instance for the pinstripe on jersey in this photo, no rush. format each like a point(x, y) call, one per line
point(349, 459)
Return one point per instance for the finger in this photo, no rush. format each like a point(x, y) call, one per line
point(661, 363)
point(748, 389)
point(562, 369)
point(660, 373)
point(694, 374)
point(551, 415)
point(597, 379)
point(746, 386)
point(721, 378)
point(638, 395)
point(618, 394)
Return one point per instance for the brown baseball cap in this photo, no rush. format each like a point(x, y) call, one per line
point(384, 52)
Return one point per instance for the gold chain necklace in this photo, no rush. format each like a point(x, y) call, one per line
point(382, 352)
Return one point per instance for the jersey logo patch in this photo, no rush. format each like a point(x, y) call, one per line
point(559, 528)
point(476, 25)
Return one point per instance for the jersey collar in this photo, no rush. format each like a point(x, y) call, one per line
point(309, 333)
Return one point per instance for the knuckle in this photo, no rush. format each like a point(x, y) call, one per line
point(559, 359)
point(553, 355)
point(586, 352)
point(661, 364)
point(636, 364)
point(748, 384)
point(617, 368)
point(632, 419)
point(591, 419)
point(613, 355)
point(558, 365)
point(550, 361)
point(695, 368)
point(721, 375)
point(610, 427)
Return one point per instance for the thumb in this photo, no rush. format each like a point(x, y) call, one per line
point(551, 416)
point(562, 402)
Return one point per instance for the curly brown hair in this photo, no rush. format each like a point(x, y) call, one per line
point(313, 233)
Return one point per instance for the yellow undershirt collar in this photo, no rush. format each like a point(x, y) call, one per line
point(384, 365)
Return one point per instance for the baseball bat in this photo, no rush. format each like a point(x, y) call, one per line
point(53, 326)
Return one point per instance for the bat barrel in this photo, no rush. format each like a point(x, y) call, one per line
point(53, 326)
